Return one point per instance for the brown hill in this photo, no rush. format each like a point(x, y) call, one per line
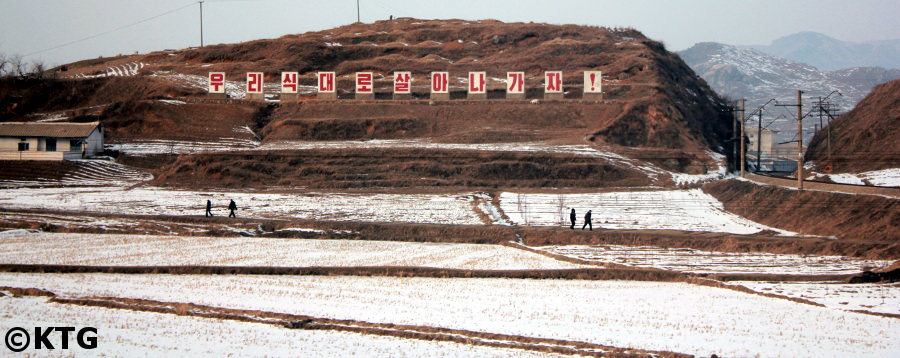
point(654, 107)
point(865, 138)
point(662, 103)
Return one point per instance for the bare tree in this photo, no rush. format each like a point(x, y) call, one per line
point(522, 205)
point(3, 63)
point(37, 69)
point(18, 66)
point(561, 208)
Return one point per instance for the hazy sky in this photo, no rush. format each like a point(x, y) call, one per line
point(61, 31)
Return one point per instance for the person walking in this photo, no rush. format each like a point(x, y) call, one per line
point(572, 219)
point(587, 221)
point(208, 208)
point(232, 206)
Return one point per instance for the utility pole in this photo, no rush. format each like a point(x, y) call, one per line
point(357, 11)
point(734, 131)
point(201, 23)
point(743, 150)
point(799, 139)
point(820, 112)
point(799, 106)
point(759, 140)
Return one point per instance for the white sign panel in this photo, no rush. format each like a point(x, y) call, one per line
point(364, 82)
point(515, 82)
point(254, 82)
point(553, 82)
point(326, 82)
point(217, 82)
point(402, 82)
point(592, 82)
point(476, 82)
point(289, 82)
point(440, 82)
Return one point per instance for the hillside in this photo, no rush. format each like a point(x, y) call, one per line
point(663, 104)
point(865, 138)
point(654, 107)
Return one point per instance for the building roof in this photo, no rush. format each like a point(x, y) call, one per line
point(39, 129)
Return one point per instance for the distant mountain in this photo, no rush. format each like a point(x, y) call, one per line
point(752, 74)
point(831, 54)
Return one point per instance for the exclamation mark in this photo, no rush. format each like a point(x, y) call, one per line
point(593, 80)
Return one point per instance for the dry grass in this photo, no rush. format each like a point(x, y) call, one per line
point(388, 168)
point(860, 218)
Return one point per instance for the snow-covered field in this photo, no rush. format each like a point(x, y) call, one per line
point(145, 226)
point(886, 177)
point(697, 261)
point(411, 208)
point(649, 315)
point(883, 298)
point(688, 210)
point(160, 146)
point(141, 250)
point(123, 333)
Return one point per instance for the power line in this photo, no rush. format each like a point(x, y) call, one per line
point(109, 31)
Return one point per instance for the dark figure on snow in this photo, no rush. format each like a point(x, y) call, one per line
point(208, 208)
point(587, 221)
point(572, 219)
point(232, 206)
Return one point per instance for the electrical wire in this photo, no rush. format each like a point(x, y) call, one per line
point(110, 31)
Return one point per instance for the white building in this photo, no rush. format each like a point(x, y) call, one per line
point(50, 141)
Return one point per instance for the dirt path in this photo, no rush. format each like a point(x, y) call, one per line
point(812, 185)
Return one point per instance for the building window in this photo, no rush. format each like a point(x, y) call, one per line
point(23, 146)
point(51, 144)
point(75, 145)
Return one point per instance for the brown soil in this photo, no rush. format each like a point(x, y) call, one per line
point(378, 168)
point(386, 271)
point(129, 121)
point(77, 98)
point(861, 218)
point(865, 138)
point(468, 122)
point(651, 99)
point(475, 234)
point(31, 170)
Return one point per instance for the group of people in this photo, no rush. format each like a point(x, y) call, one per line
point(232, 206)
point(587, 220)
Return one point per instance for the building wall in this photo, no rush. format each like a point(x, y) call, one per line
point(766, 141)
point(37, 147)
point(12, 143)
point(31, 155)
point(9, 144)
point(95, 142)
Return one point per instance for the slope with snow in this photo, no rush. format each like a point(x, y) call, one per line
point(698, 261)
point(141, 250)
point(124, 333)
point(675, 317)
point(688, 210)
